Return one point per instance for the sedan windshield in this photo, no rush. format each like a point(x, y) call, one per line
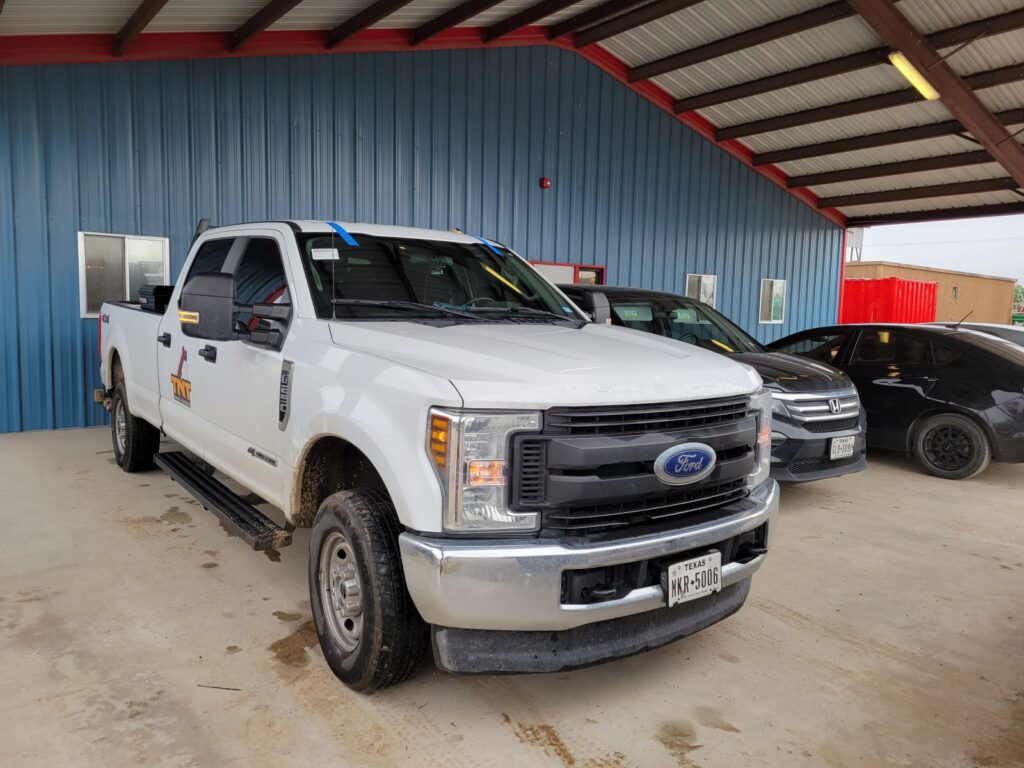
point(427, 280)
point(683, 320)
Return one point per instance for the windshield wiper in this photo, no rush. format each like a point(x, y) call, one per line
point(519, 308)
point(409, 305)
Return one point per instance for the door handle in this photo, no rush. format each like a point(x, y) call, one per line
point(165, 339)
point(209, 353)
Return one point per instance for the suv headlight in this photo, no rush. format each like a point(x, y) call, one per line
point(761, 405)
point(468, 450)
point(779, 407)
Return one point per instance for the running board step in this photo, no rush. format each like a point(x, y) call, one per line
point(242, 518)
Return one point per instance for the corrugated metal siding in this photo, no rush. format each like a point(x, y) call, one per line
point(445, 139)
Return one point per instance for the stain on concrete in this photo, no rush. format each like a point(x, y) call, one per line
point(227, 530)
point(614, 760)
point(544, 736)
point(712, 718)
point(232, 649)
point(272, 555)
point(291, 650)
point(678, 740)
point(1007, 747)
point(211, 552)
point(287, 616)
point(730, 657)
point(209, 565)
point(175, 516)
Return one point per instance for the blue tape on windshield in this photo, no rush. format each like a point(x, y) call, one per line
point(349, 240)
point(496, 251)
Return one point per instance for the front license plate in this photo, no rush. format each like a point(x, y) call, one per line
point(841, 447)
point(694, 578)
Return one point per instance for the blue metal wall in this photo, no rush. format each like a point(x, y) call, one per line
point(445, 139)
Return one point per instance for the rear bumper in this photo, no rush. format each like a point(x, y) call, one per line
point(516, 585)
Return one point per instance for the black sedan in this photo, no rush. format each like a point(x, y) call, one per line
point(952, 397)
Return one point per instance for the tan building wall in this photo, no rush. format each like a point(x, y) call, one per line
point(990, 298)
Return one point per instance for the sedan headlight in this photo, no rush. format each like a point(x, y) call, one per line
point(468, 450)
point(761, 405)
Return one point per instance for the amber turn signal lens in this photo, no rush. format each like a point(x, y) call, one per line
point(439, 429)
point(490, 472)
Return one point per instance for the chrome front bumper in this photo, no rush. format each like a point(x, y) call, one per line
point(504, 584)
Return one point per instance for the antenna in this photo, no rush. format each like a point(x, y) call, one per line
point(963, 318)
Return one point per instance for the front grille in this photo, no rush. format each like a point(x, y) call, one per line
point(808, 466)
point(633, 419)
point(820, 408)
point(591, 470)
point(604, 517)
point(831, 426)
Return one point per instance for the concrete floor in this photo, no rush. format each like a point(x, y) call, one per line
point(886, 629)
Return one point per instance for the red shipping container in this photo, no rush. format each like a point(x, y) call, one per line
point(888, 300)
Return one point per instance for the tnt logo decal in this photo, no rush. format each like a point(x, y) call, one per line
point(181, 387)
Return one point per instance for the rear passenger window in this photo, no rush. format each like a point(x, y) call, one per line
point(211, 257)
point(943, 354)
point(884, 347)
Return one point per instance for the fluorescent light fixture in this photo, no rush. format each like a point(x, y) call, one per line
point(915, 78)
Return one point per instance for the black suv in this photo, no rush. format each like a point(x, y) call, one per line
point(817, 423)
point(952, 397)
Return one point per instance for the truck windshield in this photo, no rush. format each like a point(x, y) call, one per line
point(401, 279)
point(683, 320)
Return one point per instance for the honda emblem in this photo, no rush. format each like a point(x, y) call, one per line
point(834, 405)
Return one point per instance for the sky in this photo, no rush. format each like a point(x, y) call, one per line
point(992, 246)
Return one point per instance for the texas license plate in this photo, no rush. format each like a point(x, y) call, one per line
point(841, 447)
point(690, 579)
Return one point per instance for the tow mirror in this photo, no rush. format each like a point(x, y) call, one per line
point(207, 307)
point(599, 307)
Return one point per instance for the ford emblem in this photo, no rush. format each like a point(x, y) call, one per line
point(685, 464)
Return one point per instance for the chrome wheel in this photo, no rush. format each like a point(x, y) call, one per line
point(120, 426)
point(341, 591)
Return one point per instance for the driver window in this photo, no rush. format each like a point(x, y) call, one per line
point(260, 279)
point(823, 347)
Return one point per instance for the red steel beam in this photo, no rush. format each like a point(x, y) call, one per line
point(138, 22)
point(898, 33)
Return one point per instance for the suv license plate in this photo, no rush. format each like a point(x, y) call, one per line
point(690, 579)
point(841, 447)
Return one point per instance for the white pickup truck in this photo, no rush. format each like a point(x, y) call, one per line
point(483, 469)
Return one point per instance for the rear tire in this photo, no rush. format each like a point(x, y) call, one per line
point(135, 440)
point(370, 632)
point(951, 446)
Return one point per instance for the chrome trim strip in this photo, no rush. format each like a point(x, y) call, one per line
point(515, 584)
point(797, 396)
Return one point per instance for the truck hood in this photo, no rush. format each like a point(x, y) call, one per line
point(504, 365)
point(792, 373)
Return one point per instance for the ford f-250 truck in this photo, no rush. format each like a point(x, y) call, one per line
point(482, 468)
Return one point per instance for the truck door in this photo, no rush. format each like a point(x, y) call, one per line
point(183, 372)
point(244, 403)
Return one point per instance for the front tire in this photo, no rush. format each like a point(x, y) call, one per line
point(135, 440)
point(369, 630)
point(952, 446)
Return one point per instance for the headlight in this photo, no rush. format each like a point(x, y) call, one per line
point(469, 452)
point(761, 405)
